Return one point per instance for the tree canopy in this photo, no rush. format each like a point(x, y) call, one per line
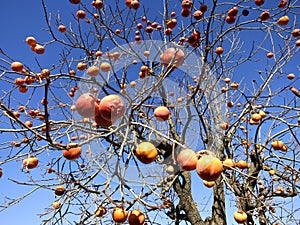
point(147, 100)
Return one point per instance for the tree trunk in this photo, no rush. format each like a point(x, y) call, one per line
point(186, 202)
point(218, 209)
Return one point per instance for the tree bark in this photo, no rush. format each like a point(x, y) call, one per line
point(186, 202)
point(218, 209)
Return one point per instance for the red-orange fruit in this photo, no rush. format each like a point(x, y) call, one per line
point(219, 50)
point(224, 126)
point(209, 184)
point(227, 80)
point(198, 15)
point(187, 159)
point(72, 72)
point(72, 153)
point(28, 123)
point(45, 73)
point(282, 3)
point(284, 148)
point(119, 215)
point(283, 21)
point(105, 67)
point(17, 66)
point(30, 41)
point(81, 14)
point(23, 88)
point(16, 114)
point(242, 164)
point(146, 152)
point(62, 28)
point(259, 2)
point(264, 16)
point(233, 12)
point(240, 216)
point(81, 66)
point(172, 55)
point(161, 113)
point(245, 12)
point(230, 104)
point(93, 71)
point(98, 4)
point(59, 190)
point(209, 168)
point(149, 29)
point(19, 81)
point(186, 4)
point(128, 3)
point(296, 33)
point(230, 19)
point(100, 121)
point(203, 8)
point(29, 80)
point(291, 76)
point(101, 211)
point(270, 54)
point(98, 53)
point(135, 4)
point(56, 205)
point(136, 217)
point(277, 145)
point(185, 12)
point(74, 1)
point(85, 105)
point(228, 164)
point(171, 23)
point(262, 114)
point(256, 117)
point(39, 49)
point(111, 107)
point(234, 85)
point(31, 162)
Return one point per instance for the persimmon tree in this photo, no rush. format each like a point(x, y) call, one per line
point(144, 94)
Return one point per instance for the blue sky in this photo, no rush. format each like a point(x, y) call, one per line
point(20, 19)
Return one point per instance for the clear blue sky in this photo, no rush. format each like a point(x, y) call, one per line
point(18, 20)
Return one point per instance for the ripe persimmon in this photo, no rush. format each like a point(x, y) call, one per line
point(72, 153)
point(146, 152)
point(31, 162)
point(240, 216)
point(161, 113)
point(136, 217)
point(209, 168)
point(187, 159)
point(119, 215)
point(16, 66)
